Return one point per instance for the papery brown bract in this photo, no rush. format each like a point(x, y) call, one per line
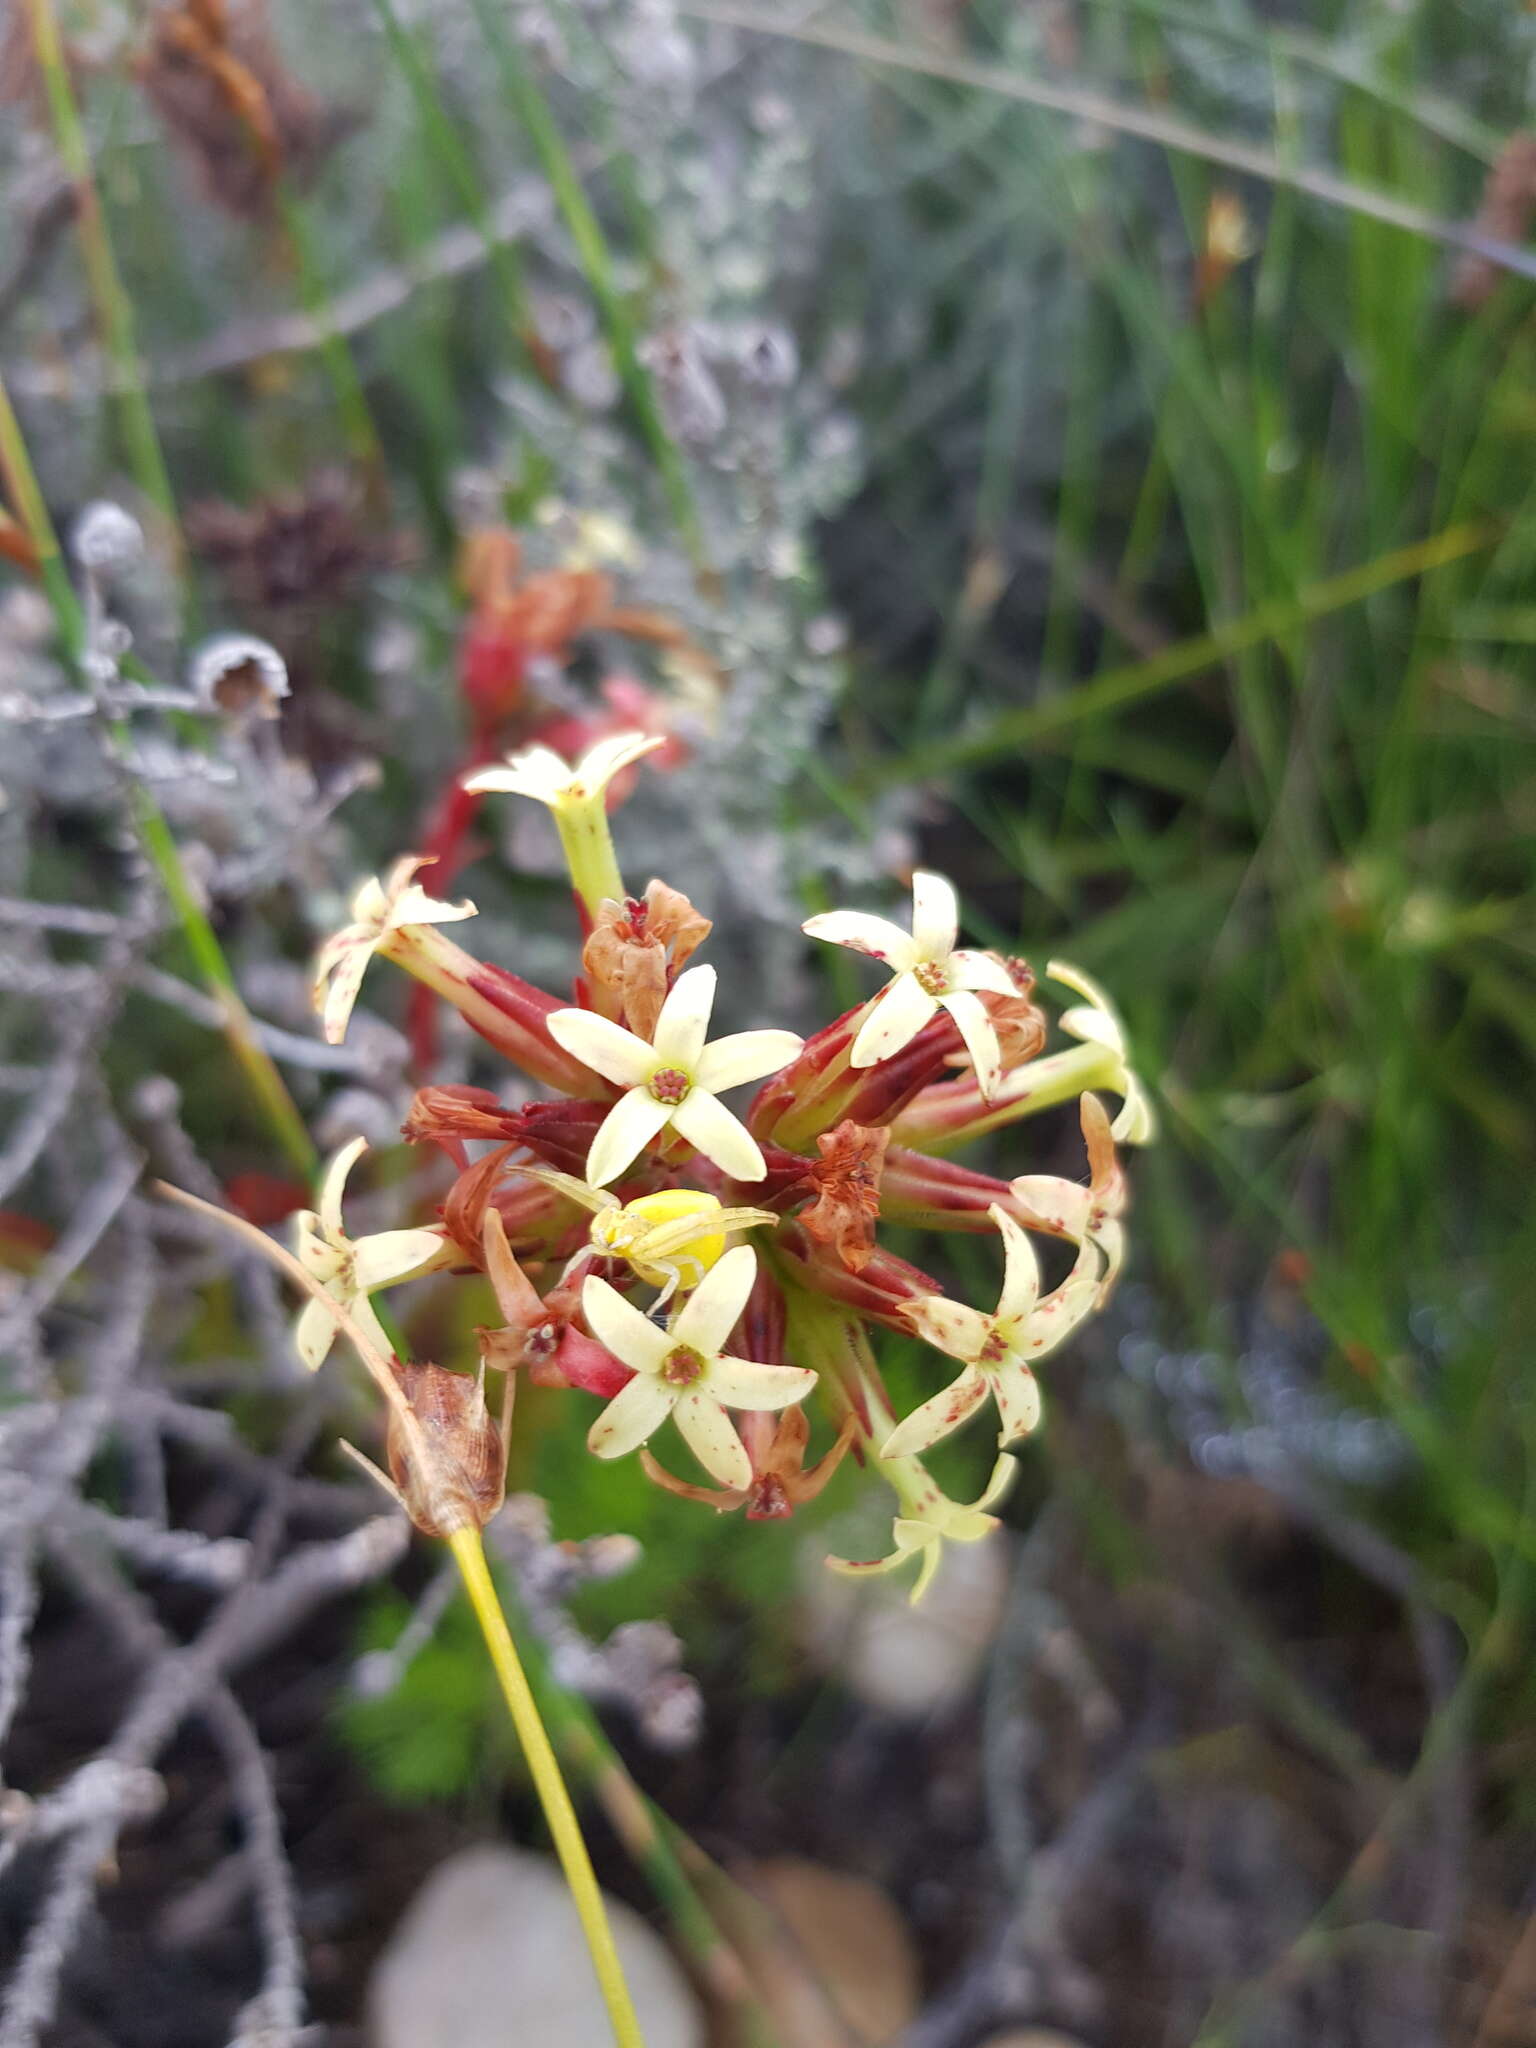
point(1018, 1021)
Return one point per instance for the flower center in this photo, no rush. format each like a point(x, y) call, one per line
point(770, 1500)
point(681, 1367)
point(932, 977)
point(670, 1085)
point(994, 1351)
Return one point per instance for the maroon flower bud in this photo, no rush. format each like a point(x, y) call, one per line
point(821, 1088)
point(877, 1291)
point(936, 1194)
point(763, 1322)
point(508, 1012)
point(560, 1133)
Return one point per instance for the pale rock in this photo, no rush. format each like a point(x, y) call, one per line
point(912, 1661)
point(1030, 2037)
point(836, 1968)
point(490, 1950)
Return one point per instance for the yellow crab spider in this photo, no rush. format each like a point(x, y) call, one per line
point(670, 1238)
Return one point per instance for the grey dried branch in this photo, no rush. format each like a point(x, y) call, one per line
point(176, 1685)
point(82, 1025)
point(84, 1231)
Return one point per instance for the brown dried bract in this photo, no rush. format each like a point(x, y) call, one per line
point(847, 1183)
point(776, 1445)
point(546, 611)
point(448, 1114)
point(465, 1482)
point(636, 948)
point(465, 1206)
point(214, 76)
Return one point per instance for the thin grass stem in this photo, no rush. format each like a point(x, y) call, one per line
point(534, 112)
point(1114, 687)
point(113, 307)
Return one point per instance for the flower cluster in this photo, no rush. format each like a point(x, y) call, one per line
point(710, 1267)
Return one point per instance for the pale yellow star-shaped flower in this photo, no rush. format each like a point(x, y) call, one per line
point(995, 1349)
point(541, 773)
point(929, 973)
point(1097, 1022)
point(675, 1080)
point(378, 908)
point(923, 1536)
point(685, 1372)
point(350, 1269)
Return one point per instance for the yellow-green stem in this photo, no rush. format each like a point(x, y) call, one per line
point(114, 308)
point(570, 1845)
point(588, 847)
point(1043, 1084)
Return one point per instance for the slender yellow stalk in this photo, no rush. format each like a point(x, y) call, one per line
point(570, 1846)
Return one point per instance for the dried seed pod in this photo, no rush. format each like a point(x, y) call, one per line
point(239, 674)
point(463, 1480)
